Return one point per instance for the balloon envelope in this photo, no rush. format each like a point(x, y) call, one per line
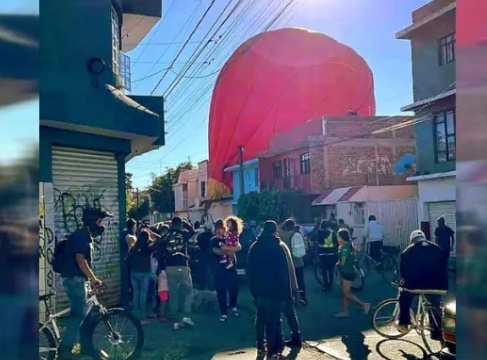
point(275, 81)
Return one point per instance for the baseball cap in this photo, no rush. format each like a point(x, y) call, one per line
point(417, 235)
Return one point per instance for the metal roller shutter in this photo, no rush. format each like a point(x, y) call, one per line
point(88, 179)
point(446, 209)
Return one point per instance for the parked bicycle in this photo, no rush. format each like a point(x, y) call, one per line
point(387, 267)
point(100, 337)
point(421, 320)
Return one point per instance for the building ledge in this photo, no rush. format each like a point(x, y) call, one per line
point(419, 103)
point(433, 176)
point(407, 32)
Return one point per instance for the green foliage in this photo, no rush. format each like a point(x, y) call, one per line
point(139, 212)
point(274, 205)
point(160, 191)
point(129, 201)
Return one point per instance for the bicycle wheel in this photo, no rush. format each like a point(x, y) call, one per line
point(359, 282)
point(109, 341)
point(389, 269)
point(385, 317)
point(47, 343)
point(363, 263)
point(432, 346)
point(317, 272)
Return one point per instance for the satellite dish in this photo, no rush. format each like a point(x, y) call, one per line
point(405, 163)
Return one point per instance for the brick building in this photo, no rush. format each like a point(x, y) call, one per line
point(337, 152)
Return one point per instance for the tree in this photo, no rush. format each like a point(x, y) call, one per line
point(160, 191)
point(274, 205)
point(129, 201)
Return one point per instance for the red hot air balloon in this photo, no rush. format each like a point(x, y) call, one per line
point(275, 81)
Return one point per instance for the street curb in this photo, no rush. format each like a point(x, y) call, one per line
point(322, 348)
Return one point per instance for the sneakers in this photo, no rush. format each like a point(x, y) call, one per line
point(223, 318)
point(294, 342)
point(235, 312)
point(187, 321)
point(184, 321)
point(403, 329)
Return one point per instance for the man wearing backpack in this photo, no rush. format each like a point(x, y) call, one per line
point(174, 246)
point(73, 260)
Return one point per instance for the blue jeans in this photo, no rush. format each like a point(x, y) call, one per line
point(77, 294)
point(140, 286)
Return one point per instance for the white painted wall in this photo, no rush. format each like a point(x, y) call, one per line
point(434, 190)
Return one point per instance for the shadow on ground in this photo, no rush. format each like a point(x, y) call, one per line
point(210, 339)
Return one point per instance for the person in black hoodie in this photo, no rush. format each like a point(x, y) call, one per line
point(424, 266)
point(270, 285)
point(174, 246)
point(327, 244)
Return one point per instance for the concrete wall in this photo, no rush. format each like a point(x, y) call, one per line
point(251, 181)
point(429, 78)
point(436, 190)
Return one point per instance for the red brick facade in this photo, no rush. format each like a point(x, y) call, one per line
point(354, 151)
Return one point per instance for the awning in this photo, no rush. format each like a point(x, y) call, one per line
point(424, 102)
point(330, 198)
point(386, 192)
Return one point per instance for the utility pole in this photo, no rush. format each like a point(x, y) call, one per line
point(241, 169)
point(137, 197)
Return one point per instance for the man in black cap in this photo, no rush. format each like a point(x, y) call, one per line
point(77, 270)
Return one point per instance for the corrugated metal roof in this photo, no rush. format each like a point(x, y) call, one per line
point(332, 197)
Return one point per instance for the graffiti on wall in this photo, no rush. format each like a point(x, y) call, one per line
point(69, 206)
point(381, 164)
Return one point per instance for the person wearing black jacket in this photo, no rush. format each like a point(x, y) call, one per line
point(327, 244)
point(174, 246)
point(268, 274)
point(423, 266)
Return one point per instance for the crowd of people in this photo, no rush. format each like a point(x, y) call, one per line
point(160, 271)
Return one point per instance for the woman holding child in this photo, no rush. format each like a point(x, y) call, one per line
point(225, 244)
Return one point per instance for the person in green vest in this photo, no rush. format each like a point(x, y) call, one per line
point(327, 244)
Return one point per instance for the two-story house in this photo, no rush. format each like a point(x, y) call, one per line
point(326, 158)
point(190, 193)
point(432, 37)
point(89, 126)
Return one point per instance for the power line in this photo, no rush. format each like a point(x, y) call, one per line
point(184, 45)
point(196, 55)
point(188, 22)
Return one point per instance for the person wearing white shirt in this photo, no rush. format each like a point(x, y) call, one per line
point(374, 238)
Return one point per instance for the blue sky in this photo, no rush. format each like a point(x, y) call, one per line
point(19, 126)
point(369, 27)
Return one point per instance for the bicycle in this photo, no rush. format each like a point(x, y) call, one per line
point(387, 267)
point(118, 347)
point(420, 321)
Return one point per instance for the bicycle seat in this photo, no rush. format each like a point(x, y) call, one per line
point(426, 292)
point(47, 296)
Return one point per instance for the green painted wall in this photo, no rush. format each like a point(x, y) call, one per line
point(425, 141)
point(72, 33)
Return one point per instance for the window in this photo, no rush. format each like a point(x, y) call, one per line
point(445, 123)
point(115, 42)
point(359, 213)
point(446, 49)
point(203, 189)
point(305, 163)
point(256, 179)
point(287, 167)
point(185, 196)
point(278, 169)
